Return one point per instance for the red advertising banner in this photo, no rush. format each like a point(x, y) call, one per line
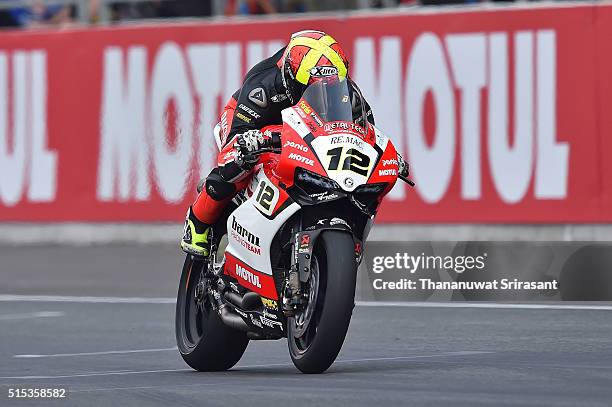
point(504, 114)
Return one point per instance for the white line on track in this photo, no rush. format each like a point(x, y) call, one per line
point(80, 299)
point(31, 315)
point(498, 305)
point(135, 372)
point(421, 304)
point(109, 352)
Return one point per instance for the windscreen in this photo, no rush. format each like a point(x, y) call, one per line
point(330, 98)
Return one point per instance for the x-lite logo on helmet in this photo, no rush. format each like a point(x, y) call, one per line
point(323, 71)
point(310, 49)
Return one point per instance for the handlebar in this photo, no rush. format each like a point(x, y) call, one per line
point(403, 171)
point(274, 142)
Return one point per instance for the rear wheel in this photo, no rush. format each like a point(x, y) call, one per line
point(316, 334)
point(204, 341)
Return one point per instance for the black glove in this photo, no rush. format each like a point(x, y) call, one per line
point(249, 146)
point(403, 170)
point(252, 143)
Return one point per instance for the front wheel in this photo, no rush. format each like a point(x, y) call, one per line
point(316, 334)
point(204, 341)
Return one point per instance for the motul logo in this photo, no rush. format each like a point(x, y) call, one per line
point(456, 72)
point(301, 159)
point(246, 275)
point(26, 163)
point(153, 118)
point(465, 107)
point(387, 172)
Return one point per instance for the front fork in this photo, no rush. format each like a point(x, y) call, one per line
point(303, 247)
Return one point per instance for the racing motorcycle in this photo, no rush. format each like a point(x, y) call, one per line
point(284, 256)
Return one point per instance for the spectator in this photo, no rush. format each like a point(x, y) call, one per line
point(294, 6)
point(249, 7)
point(39, 13)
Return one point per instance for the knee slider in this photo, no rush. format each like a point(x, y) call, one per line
point(217, 188)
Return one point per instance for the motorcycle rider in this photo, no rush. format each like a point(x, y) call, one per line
point(269, 87)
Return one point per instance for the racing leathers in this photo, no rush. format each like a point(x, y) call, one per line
point(257, 104)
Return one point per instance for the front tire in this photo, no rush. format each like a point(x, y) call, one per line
point(314, 349)
point(204, 341)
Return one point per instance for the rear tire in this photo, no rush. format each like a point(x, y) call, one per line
point(204, 341)
point(318, 347)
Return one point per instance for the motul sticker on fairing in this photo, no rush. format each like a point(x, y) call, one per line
point(301, 159)
point(250, 278)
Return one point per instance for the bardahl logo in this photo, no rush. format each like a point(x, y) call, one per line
point(322, 71)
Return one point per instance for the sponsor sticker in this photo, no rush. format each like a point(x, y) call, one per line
point(387, 172)
point(304, 106)
point(243, 117)
point(389, 162)
point(295, 145)
point(255, 321)
point(304, 243)
point(323, 71)
point(246, 239)
point(279, 98)
point(246, 275)
point(269, 323)
point(315, 117)
point(343, 126)
point(270, 304)
point(347, 140)
point(258, 96)
point(249, 111)
point(301, 159)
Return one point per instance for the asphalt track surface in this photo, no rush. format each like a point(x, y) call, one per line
point(122, 354)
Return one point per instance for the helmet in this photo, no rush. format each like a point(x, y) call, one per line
point(307, 51)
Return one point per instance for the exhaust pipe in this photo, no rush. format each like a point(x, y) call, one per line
point(231, 319)
point(249, 302)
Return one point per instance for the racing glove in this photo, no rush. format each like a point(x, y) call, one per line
point(251, 144)
point(403, 170)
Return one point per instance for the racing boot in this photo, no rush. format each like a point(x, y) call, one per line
point(196, 236)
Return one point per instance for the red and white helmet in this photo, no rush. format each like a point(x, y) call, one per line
point(306, 53)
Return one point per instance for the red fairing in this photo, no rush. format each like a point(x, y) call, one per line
point(386, 169)
point(250, 278)
point(296, 153)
